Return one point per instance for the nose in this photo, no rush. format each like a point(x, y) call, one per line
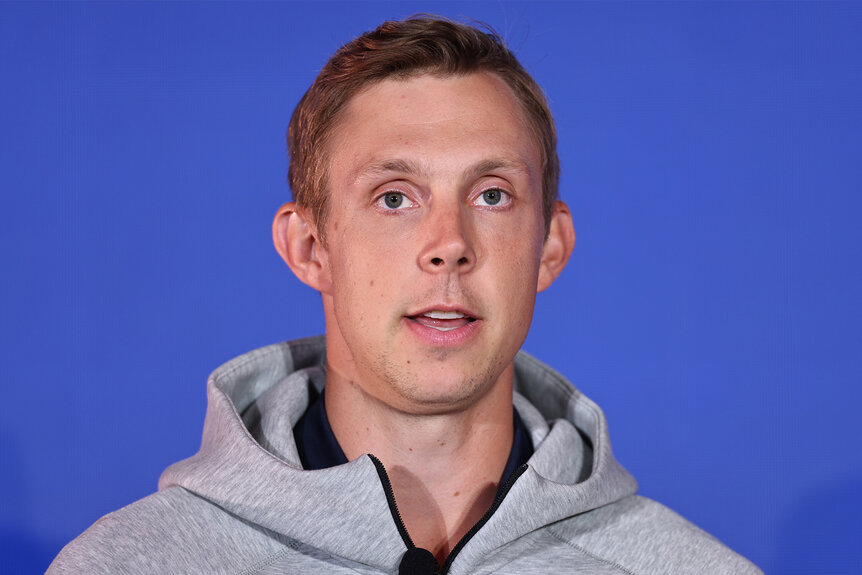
point(448, 246)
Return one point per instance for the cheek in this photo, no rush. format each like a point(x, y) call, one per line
point(517, 246)
point(515, 255)
point(363, 269)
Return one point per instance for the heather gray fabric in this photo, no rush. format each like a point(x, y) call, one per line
point(244, 505)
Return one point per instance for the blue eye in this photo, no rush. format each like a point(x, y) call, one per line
point(493, 197)
point(393, 200)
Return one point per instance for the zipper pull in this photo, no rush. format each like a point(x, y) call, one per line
point(418, 561)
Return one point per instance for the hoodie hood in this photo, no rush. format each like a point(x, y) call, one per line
point(249, 466)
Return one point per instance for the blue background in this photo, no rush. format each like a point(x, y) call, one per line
point(711, 156)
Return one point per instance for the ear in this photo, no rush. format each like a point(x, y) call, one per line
point(558, 246)
point(296, 240)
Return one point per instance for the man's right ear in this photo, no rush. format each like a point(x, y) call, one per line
point(296, 240)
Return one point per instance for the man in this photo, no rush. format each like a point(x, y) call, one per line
point(415, 438)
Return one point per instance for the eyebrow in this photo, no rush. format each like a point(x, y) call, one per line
point(494, 164)
point(409, 167)
point(389, 166)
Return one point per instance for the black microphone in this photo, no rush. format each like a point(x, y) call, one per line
point(418, 561)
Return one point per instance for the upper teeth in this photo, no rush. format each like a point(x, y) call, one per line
point(436, 314)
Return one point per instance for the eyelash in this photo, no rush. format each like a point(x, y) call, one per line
point(381, 201)
point(505, 197)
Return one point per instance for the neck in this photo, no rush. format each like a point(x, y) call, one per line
point(444, 467)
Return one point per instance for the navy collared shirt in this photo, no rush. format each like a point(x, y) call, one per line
point(318, 448)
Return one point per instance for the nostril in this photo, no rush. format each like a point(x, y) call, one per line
point(437, 261)
point(462, 261)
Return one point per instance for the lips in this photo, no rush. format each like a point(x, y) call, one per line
point(443, 320)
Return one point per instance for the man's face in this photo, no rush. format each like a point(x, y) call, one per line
point(434, 239)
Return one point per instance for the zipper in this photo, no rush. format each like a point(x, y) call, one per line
point(498, 499)
point(402, 529)
point(390, 498)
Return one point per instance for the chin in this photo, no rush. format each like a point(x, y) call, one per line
point(441, 390)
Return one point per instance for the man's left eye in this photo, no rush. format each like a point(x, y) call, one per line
point(394, 201)
point(493, 197)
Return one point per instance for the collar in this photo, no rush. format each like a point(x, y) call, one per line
point(319, 449)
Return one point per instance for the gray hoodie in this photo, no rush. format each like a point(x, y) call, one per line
point(244, 505)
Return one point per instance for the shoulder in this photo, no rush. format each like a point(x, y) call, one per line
point(639, 536)
point(169, 531)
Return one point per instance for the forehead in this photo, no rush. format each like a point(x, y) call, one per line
point(433, 123)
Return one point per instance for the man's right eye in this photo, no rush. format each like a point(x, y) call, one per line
point(394, 201)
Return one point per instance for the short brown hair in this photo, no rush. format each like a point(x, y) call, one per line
point(400, 50)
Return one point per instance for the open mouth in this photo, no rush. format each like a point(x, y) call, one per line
point(442, 320)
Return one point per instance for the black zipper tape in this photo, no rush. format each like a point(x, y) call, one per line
point(390, 498)
point(402, 529)
point(501, 494)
